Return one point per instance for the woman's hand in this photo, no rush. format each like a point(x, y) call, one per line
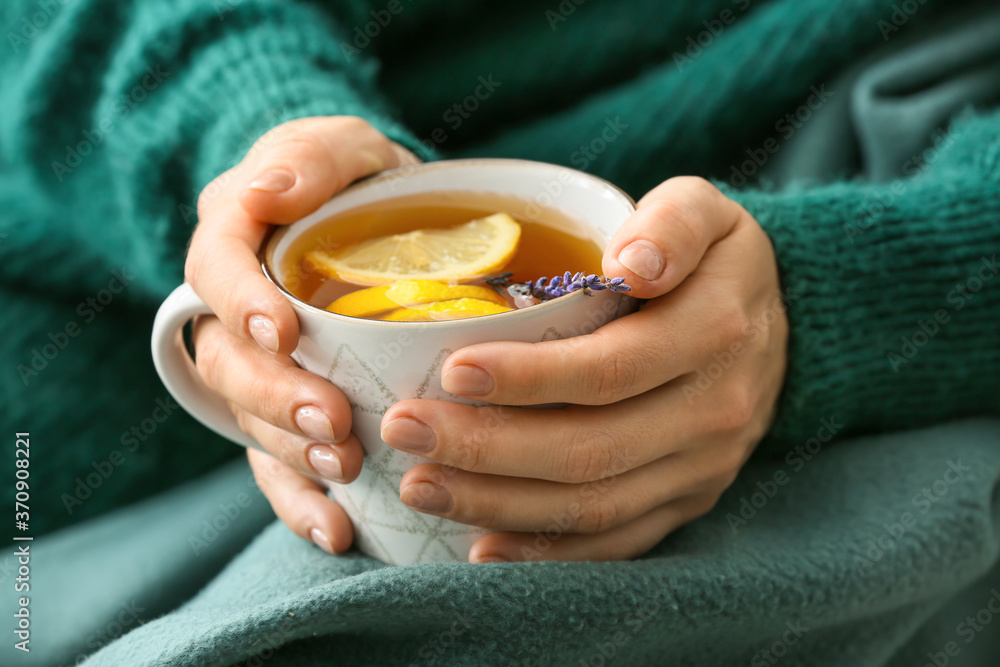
point(242, 353)
point(667, 403)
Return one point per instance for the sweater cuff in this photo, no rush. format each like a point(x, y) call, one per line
point(894, 300)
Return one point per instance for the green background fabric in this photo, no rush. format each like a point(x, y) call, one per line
point(873, 239)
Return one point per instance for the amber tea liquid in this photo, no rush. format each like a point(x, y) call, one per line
point(550, 244)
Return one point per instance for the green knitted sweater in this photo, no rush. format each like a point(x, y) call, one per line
point(117, 113)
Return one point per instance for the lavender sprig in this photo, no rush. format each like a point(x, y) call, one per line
point(546, 288)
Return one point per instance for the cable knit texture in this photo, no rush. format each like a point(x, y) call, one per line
point(118, 112)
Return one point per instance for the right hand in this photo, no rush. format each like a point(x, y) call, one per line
point(242, 352)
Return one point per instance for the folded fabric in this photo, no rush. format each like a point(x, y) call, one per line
point(839, 554)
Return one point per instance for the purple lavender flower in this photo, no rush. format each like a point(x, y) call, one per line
point(545, 288)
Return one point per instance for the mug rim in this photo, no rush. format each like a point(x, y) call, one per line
point(263, 255)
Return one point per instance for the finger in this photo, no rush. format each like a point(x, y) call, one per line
point(670, 337)
point(302, 504)
point(664, 240)
point(336, 462)
point(524, 505)
point(629, 540)
point(575, 444)
point(223, 269)
point(294, 169)
point(222, 264)
point(270, 387)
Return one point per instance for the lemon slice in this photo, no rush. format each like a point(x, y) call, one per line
point(456, 309)
point(475, 249)
point(415, 292)
point(407, 293)
point(363, 302)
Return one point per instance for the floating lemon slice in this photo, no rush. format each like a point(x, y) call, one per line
point(456, 309)
point(475, 249)
point(407, 293)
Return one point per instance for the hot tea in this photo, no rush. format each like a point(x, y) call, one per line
point(433, 257)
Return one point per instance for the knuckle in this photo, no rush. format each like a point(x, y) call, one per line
point(353, 124)
point(690, 227)
point(296, 146)
point(241, 417)
point(616, 372)
point(599, 517)
point(700, 187)
point(193, 265)
point(211, 191)
point(588, 456)
point(736, 411)
point(726, 465)
point(735, 325)
point(268, 398)
point(467, 453)
point(485, 511)
point(704, 505)
point(267, 471)
point(208, 357)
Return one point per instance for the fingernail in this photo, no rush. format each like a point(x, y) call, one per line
point(467, 381)
point(642, 258)
point(326, 463)
point(426, 496)
point(492, 559)
point(409, 434)
point(314, 423)
point(274, 180)
point(321, 540)
point(264, 332)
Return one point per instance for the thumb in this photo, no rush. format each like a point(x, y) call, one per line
point(672, 228)
point(295, 168)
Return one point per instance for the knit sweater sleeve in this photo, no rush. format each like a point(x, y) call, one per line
point(893, 293)
point(120, 111)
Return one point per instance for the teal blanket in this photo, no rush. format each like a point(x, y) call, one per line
point(848, 554)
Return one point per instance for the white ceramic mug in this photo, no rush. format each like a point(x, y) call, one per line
point(376, 363)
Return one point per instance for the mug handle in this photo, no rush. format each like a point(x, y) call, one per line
point(177, 370)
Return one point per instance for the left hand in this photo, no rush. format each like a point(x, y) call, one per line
point(666, 404)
